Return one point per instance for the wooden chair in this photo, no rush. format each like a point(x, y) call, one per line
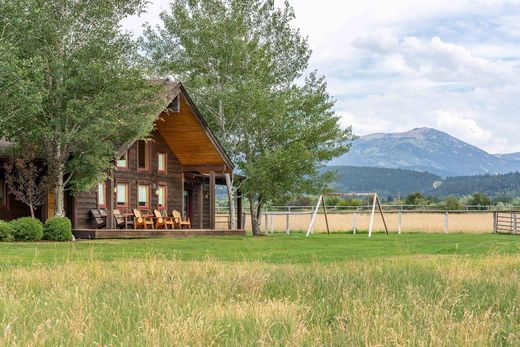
point(142, 222)
point(120, 220)
point(98, 218)
point(164, 219)
point(129, 218)
point(179, 221)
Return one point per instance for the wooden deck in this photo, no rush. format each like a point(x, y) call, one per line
point(89, 234)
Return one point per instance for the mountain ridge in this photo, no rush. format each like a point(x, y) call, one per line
point(426, 150)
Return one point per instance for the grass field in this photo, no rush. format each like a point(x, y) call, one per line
point(345, 290)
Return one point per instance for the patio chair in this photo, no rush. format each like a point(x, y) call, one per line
point(179, 221)
point(162, 220)
point(99, 221)
point(141, 221)
point(129, 218)
point(120, 220)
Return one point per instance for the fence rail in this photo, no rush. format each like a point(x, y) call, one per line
point(507, 222)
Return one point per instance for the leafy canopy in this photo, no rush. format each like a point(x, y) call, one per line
point(246, 67)
point(71, 84)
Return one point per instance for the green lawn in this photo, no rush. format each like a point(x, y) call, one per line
point(337, 290)
point(279, 248)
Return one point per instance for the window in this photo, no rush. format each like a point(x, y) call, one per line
point(162, 197)
point(122, 195)
point(122, 163)
point(161, 162)
point(175, 106)
point(3, 194)
point(143, 155)
point(143, 196)
point(102, 195)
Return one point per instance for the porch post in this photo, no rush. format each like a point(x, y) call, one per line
point(201, 205)
point(239, 209)
point(212, 200)
point(182, 196)
point(110, 201)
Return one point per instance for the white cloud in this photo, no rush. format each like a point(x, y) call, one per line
point(401, 64)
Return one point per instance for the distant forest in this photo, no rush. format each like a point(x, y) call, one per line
point(392, 182)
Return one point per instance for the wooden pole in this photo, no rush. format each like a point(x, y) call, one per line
point(325, 211)
point(446, 223)
point(381, 211)
point(287, 225)
point(399, 223)
point(211, 199)
point(354, 226)
point(372, 216)
point(313, 218)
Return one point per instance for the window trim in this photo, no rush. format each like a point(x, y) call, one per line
point(165, 170)
point(148, 203)
point(127, 195)
point(165, 186)
point(5, 205)
point(123, 168)
point(148, 152)
point(106, 195)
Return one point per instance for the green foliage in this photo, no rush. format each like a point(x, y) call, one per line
point(75, 89)
point(500, 186)
point(479, 201)
point(57, 229)
point(27, 229)
point(6, 232)
point(416, 199)
point(452, 203)
point(350, 202)
point(246, 68)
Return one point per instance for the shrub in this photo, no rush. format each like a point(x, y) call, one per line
point(6, 232)
point(57, 229)
point(452, 204)
point(27, 229)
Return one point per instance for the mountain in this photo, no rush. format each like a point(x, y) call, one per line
point(427, 150)
point(394, 182)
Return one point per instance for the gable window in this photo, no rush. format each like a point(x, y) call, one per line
point(3, 194)
point(122, 163)
point(122, 195)
point(175, 106)
point(102, 195)
point(143, 196)
point(143, 155)
point(161, 162)
point(162, 196)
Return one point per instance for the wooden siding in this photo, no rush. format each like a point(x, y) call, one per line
point(173, 179)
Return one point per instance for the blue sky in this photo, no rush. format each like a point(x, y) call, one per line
point(396, 65)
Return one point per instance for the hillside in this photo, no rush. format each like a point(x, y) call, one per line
point(391, 182)
point(426, 149)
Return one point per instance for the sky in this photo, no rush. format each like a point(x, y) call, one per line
point(395, 65)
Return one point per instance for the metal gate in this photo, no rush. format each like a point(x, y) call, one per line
point(507, 222)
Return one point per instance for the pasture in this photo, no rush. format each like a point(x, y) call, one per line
point(341, 290)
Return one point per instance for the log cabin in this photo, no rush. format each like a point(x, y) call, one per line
point(176, 168)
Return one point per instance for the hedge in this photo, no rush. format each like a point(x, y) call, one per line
point(6, 232)
point(57, 229)
point(27, 229)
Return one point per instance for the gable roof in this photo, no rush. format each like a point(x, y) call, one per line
point(187, 133)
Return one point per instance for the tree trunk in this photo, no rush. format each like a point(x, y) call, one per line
point(231, 201)
point(31, 208)
point(256, 214)
point(59, 191)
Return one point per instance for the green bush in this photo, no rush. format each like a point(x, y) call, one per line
point(27, 229)
point(6, 232)
point(57, 229)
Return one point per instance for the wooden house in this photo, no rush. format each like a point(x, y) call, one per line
point(178, 169)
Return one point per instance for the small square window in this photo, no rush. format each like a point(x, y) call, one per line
point(122, 163)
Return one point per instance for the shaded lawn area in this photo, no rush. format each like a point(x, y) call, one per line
point(279, 248)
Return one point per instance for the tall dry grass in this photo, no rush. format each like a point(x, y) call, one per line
point(420, 301)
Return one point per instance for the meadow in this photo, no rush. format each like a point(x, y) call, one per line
point(337, 290)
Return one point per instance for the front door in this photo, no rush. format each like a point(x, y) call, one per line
point(188, 206)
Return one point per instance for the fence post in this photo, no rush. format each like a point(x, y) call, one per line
point(272, 224)
point(354, 228)
point(399, 223)
point(446, 223)
point(495, 222)
point(287, 225)
point(514, 223)
point(266, 223)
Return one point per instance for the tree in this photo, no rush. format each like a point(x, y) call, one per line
point(26, 181)
point(416, 199)
point(451, 203)
point(479, 201)
point(71, 86)
point(245, 66)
